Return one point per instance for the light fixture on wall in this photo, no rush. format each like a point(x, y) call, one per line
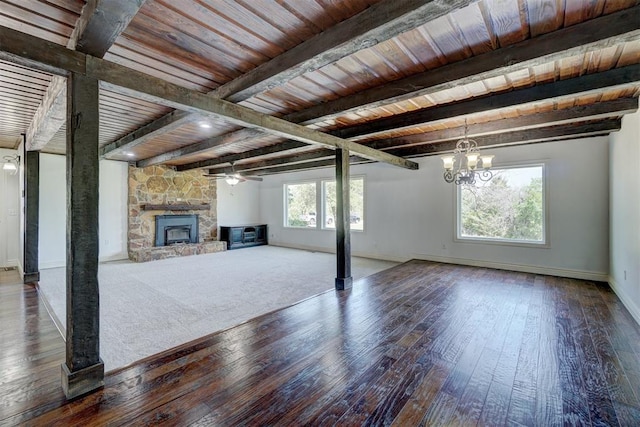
point(466, 164)
point(11, 164)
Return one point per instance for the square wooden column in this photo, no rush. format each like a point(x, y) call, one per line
point(83, 370)
point(31, 215)
point(343, 228)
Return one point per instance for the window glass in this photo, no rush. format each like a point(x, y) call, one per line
point(300, 205)
point(356, 200)
point(509, 207)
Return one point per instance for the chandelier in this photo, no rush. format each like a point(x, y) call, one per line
point(466, 164)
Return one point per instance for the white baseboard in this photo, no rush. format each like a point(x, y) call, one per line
point(62, 263)
point(633, 308)
point(51, 264)
point(56, 321)
point(114, 257)
point(333, 251)
point(535, 269)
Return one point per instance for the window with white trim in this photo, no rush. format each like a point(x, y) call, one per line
point(300, 205)
point(510, 207)
point(306, 207)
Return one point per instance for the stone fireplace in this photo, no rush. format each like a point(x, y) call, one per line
point(183, 204)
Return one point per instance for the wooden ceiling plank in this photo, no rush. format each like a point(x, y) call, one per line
point(546, 134)
point(594, 34)
point(485, 131)
point(590, 35)
point(167, 123)
point(379, 22)
point(263, 151)
point(566, 88)
point(559, 89)
point(529, 136)
point(216, 141)
point(23, 47)
point(99, 25)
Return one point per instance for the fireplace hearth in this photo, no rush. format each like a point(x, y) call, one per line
point(175, 229)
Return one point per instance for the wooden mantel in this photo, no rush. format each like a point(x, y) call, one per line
point(177, 207)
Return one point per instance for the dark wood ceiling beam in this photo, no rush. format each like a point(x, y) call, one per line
point(97, 28)
point(593, 34)
point(556, 90)
point(278, 161)
point(580, 113)
point(23, 48)
point(522, 137)
point(529, 136)
point(207, 144)
point(167, 123)
point(263, 151)
point(317, 164)
point(380, 22)
point(107, 20)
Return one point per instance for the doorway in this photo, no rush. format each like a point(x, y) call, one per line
point(9, 219)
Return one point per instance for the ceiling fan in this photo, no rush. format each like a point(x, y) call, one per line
point(234, 178)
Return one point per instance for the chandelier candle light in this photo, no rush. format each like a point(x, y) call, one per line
point(466, 173)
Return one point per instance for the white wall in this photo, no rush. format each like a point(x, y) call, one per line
point(410, 214)
point(9, 215)
point(53, 222)
point(625, 213)
point(238, 204)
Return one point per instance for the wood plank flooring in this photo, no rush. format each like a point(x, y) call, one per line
point(419, 344)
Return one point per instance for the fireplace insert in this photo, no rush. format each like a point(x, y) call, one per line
point(174, 229)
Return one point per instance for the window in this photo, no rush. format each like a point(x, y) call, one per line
point(300, 205)
point(356, 200)
point(508, 208)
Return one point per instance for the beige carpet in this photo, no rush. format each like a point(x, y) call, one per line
point(146, 308)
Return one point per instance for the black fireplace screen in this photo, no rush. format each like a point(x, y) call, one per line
point(173, 229)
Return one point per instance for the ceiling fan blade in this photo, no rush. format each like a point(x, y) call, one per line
point(251, 178)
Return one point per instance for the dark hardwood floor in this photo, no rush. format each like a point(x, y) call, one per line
point(419, 344)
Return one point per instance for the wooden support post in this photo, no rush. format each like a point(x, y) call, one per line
point(343, 232)
point(83, 370)
point(31, 215)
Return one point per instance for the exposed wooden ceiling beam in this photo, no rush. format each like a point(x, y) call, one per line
point(556, 90)
point(374, 25)
point(97, 28)
point(580, 113)
point(528, 136)
point(26, 49)
point(109, 18)
point(590, 35)
point(593, 34)
point(594, 111)
point(263, 151)
point(522, 137)
point(442, 141)
point(381, 21)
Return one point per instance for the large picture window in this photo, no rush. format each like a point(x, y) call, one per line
point(508, 208)
point(356, 200)
point(300, 205)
